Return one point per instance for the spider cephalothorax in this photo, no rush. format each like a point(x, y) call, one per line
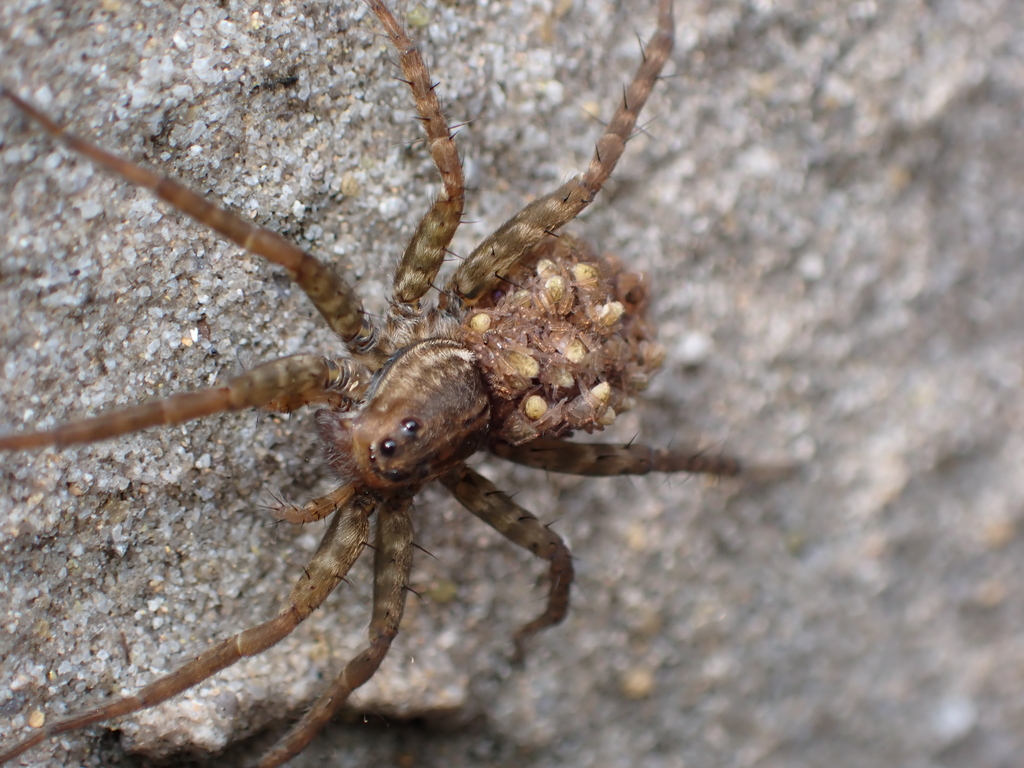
point(424, 412)
point(533, 337)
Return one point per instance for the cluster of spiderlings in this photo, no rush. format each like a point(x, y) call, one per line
point(566, 346)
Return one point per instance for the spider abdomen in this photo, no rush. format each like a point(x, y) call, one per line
point(566, 347)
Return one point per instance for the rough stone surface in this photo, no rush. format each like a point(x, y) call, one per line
point(831, 198)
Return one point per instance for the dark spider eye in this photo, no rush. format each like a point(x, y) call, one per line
point(410, 426)
point(388, 447)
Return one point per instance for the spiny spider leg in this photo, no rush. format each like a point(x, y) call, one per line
point(426, 251)
point(338, 550)
point(330, 294)
point(481, 497)
point(603, 459)
point(392, 562)
point(508, 244)
point(280, 385)
point(315, 509)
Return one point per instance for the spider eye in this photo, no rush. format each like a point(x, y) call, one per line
point(388, 447)
point(410, 426)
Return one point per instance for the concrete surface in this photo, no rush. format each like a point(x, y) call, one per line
point(831, 198)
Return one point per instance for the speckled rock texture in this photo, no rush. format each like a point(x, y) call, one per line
point(830, 196)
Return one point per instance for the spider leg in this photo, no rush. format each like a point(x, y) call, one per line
point(601, 459)
point(507, 245)
point(278, 385)
point(392, 562)
point(330, 294)
point(481, 497)
point(315, 509)
point(426, 251)
point(338, 550)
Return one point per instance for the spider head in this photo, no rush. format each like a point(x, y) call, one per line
point(388, 452)
point(425, 412)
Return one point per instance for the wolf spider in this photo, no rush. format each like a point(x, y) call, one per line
point(532, 337)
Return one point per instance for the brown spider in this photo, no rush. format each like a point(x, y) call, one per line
point(533, 337)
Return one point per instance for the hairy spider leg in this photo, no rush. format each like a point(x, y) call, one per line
point(426, 251)
point(281, 385)
point(506, 246)
point(392, 562)
point(331, 295)
point(603, 459)
point(315, 509)
point(338, 550)
point(483, 498)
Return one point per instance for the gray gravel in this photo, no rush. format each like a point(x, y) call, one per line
point(831, 199)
